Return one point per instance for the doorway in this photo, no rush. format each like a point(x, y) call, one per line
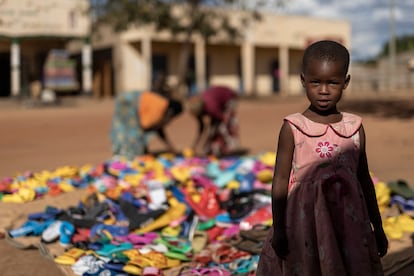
point(275, 75)
point(5, 75)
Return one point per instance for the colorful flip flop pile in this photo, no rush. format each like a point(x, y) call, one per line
point(199, 216)
point(396, 202)
point(185, 215)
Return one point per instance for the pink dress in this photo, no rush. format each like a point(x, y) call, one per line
point(327, 223)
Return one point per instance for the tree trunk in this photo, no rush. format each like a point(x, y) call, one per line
point(182, 89)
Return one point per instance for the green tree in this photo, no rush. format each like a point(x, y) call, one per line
point(403, 44)
point(202, 18)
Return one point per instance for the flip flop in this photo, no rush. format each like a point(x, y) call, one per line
point(206, 224)
point(176, 210)
point(208, 206)
point(114, 230)
point(178, 256)
point(153, 247)
point(136, 239)
point(151, 271)
point(225, 177)
point(70, 256)
point(108, 249)
point(132, 269)
point(250, 246)
point(199, 241)
point(246, 182)
point(240, 204)
point(50, 213)
point(244, 266)
point(406, 223)
point(104, 271)
point(52, 232)
point(265, 175)
point(66, 231)
point(257, 234)
point(401, 187)
point(392, 229)
point(229, 232)
point(257, 217)
point(30, 227)
point(87, 263)
point(175, 244)
point(211, 271)
point(213, 170)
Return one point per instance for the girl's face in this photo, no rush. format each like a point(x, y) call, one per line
point(324, 82)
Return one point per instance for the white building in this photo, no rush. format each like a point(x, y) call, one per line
point(267, 60)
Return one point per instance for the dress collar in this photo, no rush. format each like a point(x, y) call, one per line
point(346, 128)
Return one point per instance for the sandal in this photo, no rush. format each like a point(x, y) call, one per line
point(176, 211)
point(243, 266)
point(178, 248)
point(151, 271)
point(211, 271)
point(257, 234)
point(108, 249)
point(225, 253)
point(208, 206)
point(240, 204)
point(401, 187)
point(257, 217)
point(70, 257)
point(250, 246)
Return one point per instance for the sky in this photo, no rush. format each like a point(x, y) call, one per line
point(370, 20)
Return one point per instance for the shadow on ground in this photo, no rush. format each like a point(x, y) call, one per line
point(387, 108)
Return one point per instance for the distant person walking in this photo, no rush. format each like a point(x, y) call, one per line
point(217, 105)
point(326, 219)
point(136, 116)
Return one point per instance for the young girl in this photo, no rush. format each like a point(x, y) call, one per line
point(325, 214)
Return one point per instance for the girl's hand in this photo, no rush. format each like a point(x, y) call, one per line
point(280, 243)
point(382, 242)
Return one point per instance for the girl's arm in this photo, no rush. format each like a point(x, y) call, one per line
point(283, 166)
point(368, 189)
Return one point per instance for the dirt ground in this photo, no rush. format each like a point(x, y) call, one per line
point(76, 133)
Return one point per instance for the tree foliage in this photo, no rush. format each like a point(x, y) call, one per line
point(203, 19)
point(195, 17)
point(402, 44)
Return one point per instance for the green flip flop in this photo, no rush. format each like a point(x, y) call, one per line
point(401, 187)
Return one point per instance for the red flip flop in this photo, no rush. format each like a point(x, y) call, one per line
point(208, 207)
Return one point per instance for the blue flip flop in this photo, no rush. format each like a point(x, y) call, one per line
point(66, 232)
point(48, 214)
point(30, 227)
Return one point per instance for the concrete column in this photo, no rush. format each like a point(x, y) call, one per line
point(147, 58)
point(87, 68)
point(200, 63)
point(248, 67)
point(117, 61)
point(15, 68)
point(284, 70)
